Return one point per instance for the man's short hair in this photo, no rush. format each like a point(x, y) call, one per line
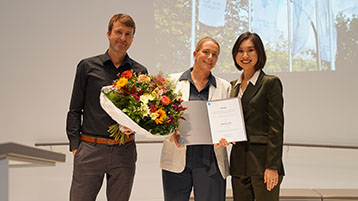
point(122, 18)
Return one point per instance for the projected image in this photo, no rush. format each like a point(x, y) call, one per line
point(299, 35)
point(179, 27)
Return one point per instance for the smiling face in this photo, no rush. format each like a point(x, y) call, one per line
point(246, 56)
point(206, 56)
point(120, 38)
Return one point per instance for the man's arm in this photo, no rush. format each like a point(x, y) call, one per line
point(74, 115)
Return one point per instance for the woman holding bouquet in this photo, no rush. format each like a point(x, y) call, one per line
point(203, 168)
point(256, 165)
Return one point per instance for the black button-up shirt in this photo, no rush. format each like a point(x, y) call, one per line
point(86, 114)
point(200, 155)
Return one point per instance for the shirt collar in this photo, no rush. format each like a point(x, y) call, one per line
point(253, 79)
point(127, 59)
point(187, 76)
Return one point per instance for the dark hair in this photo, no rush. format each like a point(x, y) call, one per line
point(259, 48)
point(203, 40)
point(122, 18)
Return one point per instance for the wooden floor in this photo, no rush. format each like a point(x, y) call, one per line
point(310, 195)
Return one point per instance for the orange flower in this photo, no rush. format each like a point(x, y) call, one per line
point(165, 100)
point(143, 78)
point(121, 83)
point(161, 116)
point(127, 74)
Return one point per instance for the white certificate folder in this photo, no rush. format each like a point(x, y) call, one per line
point(206, 122)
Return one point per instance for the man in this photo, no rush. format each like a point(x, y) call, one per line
point(95, 153)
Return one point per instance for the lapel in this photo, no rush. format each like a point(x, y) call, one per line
point(211, 92)
point(235, 89)
point(184, 87)
point(251, 90)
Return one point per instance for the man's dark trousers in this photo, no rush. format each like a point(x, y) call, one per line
point(93, 161)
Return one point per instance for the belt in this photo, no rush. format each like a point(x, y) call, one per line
point(104, 140)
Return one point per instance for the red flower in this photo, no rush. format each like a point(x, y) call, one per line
point(135, 96)
point(153, 108)
point(127, 74)
point(165, 100)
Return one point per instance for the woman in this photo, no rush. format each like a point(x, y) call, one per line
point(256, 165)
point(203, 168)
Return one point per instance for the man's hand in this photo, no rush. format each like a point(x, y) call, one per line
point(126, 130)
point(74, 152)
point(270, 178)
point(174, 138)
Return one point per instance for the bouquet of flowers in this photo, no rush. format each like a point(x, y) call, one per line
point(147, 104)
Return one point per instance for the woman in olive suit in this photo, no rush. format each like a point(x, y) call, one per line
point(256, 165)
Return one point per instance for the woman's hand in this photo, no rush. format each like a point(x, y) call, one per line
point(270, 178)
point(222, 143)
point(174, 138)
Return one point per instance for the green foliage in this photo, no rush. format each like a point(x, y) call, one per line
point(173, 26)
point(347, 40)
point(117, 134)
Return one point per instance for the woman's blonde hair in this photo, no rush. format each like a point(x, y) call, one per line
point(203, 40)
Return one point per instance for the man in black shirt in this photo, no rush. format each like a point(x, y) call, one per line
point(95, 153)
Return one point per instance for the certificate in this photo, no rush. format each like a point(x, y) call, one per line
point(208, 122)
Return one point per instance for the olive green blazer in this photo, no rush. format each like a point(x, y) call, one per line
point(262, 105)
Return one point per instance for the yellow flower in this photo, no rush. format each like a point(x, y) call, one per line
point(121, 82)
point(154, 93)
point(161, 116)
